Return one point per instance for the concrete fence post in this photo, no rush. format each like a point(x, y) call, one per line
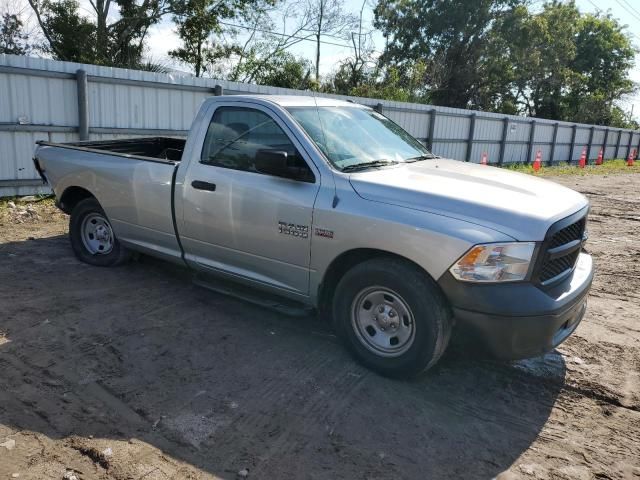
point(218, 90)
point(604, 143)
point(573, 143)
point(532, 138)
point(378, 108)
point(83, 104)
point(589, 145)
point(432, 128)
point(629, 146)
point(472, 131)
point(503, 140)
point(615, 155)
point(554, 141)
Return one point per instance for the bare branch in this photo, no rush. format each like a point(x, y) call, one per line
point(45, 32)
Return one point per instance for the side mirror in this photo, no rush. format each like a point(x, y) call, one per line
point(271, 162)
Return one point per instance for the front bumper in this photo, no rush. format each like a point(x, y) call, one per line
point(520, 320)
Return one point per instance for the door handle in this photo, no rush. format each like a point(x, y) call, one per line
point(200, 185)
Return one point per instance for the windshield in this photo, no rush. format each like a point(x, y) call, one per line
point(352, 136)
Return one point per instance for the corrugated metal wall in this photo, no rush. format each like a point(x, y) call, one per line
point(39, 101)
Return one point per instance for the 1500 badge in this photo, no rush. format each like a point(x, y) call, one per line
point(294, 230)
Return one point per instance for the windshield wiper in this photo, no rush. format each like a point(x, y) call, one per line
point(426, 156)
point(364, 165)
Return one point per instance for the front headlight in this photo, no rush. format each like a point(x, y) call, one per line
point(495, 262)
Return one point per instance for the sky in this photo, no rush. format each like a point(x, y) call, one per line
point(162, 37)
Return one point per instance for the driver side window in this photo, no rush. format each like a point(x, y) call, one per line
point(237, 135)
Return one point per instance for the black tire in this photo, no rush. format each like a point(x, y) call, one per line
point(417, 290)
point(117, 255)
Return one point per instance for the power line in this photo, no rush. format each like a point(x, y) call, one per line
point(633, 15)
point(636, 12)
point(598, 9)
point(262, 30)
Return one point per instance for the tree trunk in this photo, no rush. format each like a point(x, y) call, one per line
point(199, 58)
point(318, 34)
point(46, 33)
point(102, 11)
point(318, 56)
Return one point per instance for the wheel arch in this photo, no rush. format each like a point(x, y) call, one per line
point(346, 261)
point(72, 196)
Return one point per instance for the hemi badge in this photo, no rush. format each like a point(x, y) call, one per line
point(321, 232)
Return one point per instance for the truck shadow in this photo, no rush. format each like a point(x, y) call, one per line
point(138, 352)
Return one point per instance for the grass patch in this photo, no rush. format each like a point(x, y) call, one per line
point(608, 167)
point(44, 198)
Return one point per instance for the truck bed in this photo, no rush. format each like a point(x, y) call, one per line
point(157, 148)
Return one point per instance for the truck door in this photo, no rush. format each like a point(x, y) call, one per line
point(241, 217)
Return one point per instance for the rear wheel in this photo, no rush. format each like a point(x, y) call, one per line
point(92, 237)
point(392, 317)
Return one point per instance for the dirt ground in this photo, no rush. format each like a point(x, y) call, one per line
point(135, 373)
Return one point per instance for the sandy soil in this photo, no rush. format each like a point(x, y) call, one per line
point(134, 373)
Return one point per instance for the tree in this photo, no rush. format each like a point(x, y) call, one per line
point(361, 67)
point(328, 18)
point(280, 69)
point(449, 36)
point(199, 21)
point(272, 31)
point(557, 64)
point(73, 37)
point(389, 84)
point(604, 56)
point(13, 39)
point(69, 36)
point(526, 68)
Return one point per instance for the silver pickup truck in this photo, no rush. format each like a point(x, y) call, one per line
point(324, 204)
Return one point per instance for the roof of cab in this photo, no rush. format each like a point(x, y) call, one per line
point(294, 100)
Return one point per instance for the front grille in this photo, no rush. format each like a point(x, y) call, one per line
point(555, 261)
point(553, 268)
point(568, 234)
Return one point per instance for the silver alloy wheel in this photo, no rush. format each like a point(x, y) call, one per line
point(382, 321)
point(97, 235)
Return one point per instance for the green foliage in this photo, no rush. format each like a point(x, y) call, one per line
point(603, 59)
point(449, 36)
point(263, 66)
point(494, 55)
point(497, 55)
point(607, 168)
point(13, 40)
point(125, 37)
point(198, 22)
point(392, 85)
point(71, 36)
point(557, 64)
point(621, 119)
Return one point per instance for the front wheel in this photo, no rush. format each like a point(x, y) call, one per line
point(92, 237)
point(392, 317)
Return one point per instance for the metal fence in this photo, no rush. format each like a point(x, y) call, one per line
point(44, 99)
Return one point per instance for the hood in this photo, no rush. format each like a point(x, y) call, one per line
point(519, 205)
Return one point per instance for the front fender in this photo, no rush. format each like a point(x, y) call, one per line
point(429, 240)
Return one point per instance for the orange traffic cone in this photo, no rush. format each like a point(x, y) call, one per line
point(583, 158)
point(537, 163)
point(483, 160)
point(600, 157)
